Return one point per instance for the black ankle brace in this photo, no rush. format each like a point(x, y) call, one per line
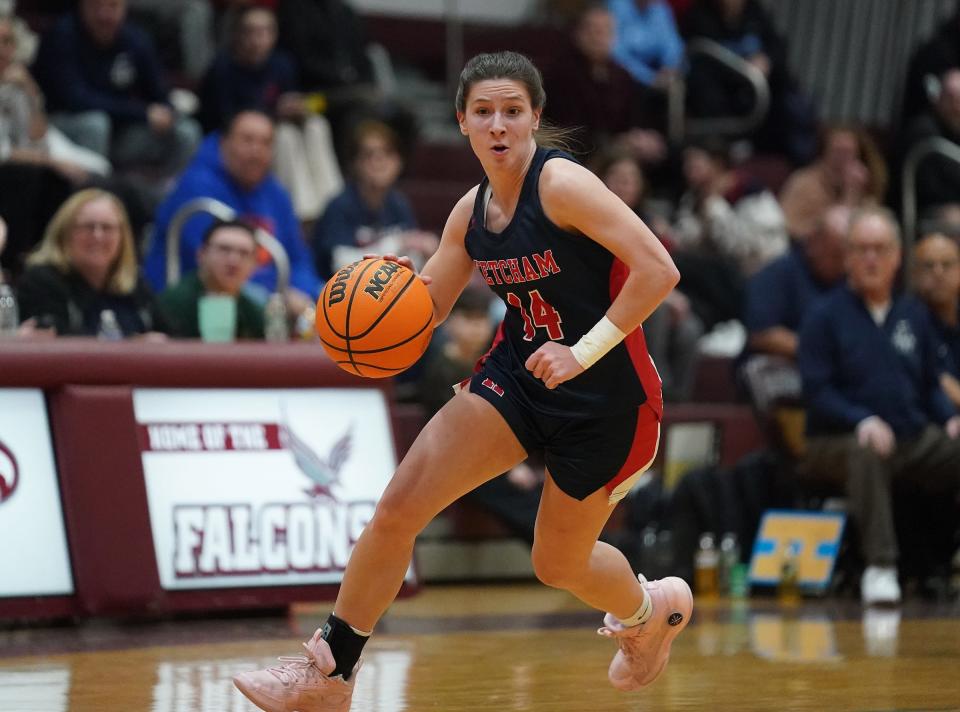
point(345, 644)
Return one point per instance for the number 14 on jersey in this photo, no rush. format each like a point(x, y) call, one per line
point(540, 315)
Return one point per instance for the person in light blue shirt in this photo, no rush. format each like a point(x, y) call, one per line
point(648, 44)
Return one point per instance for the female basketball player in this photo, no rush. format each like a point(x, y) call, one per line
point(568, 374)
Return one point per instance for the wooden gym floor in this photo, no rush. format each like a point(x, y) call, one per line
point(510, 648)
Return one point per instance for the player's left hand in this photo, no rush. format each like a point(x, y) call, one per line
point(553, 364)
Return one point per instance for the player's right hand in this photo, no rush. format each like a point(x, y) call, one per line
point(553, 364)
point(403, 262)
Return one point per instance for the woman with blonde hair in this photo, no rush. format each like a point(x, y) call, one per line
point(85, 269)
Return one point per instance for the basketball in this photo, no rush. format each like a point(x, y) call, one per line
point(375, 318)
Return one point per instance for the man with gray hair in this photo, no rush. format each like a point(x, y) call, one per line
point(876, 412)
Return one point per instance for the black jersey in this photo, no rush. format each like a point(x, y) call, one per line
point(557, 285)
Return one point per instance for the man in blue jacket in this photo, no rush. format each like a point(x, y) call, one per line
point(875, 409)
point(234, 168)
point(105, 89)
point(780, 294)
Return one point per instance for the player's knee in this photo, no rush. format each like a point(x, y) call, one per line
point(396, 518)
point(553, 569)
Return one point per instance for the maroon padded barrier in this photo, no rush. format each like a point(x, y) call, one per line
point(185, 364)
point(104, 498)
point(89, 387)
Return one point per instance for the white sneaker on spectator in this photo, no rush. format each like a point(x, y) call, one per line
point(879, 586)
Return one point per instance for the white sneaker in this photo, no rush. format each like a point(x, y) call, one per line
point(879, 586)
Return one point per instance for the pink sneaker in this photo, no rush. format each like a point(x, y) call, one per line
point(301, 684)
point(645, 648)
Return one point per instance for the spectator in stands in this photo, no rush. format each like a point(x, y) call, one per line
point(724, 215)
point(25, 134)
point(225, 261)
point(513, 498)
point(327, 38)
point(673, 330)
point(938, 177)
point(254, 74)
point(781, 294)
point(928, 63)
point(648, 44)
point(86, 268)
point(849, 170)
point(371, 214)
point(234, 168)
point(250, 73)
point(183, 29)
point(876, 413)
point(29, 326)
point(744, 28)
point(106, 91)
point(590, 91)
point(937, 282)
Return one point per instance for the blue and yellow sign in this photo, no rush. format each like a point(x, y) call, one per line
point(814, 537)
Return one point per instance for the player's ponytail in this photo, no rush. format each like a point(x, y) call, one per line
point(519, 68)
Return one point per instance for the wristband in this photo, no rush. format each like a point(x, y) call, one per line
point(595, 343)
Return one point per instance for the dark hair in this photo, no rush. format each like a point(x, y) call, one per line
point(586, 9)
point(519, 68)
point(473, 300)
point(230, 121)
point(607, 158)
point(219, 224)
point(372, 127)
point(717, 148)
point(870, 154)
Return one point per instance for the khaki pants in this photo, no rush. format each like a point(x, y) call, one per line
point(931, 461)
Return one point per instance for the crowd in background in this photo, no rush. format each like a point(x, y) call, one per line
point(788, 258)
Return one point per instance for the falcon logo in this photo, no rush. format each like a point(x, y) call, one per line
point(323, 471)
point(9, 473)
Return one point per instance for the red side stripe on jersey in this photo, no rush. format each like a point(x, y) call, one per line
point(637, 346)
point(644, 447)
point(497, 338)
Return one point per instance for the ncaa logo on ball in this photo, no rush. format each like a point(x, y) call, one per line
point(9, 473)
point(380, 279)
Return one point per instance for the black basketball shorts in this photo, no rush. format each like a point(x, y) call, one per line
point(582, 454)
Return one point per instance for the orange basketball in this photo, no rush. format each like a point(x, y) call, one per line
point(375, 318)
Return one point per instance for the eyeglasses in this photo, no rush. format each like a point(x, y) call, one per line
point(944, 265)
point(91, 227)
point(226, 250)
point(880, 250)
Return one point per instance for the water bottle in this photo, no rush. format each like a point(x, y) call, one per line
point(788, 588)
point(275, 319)
point(9, 314)
point(305, 328)
point(706, 564)
point(729, 558)
point(109, 328)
